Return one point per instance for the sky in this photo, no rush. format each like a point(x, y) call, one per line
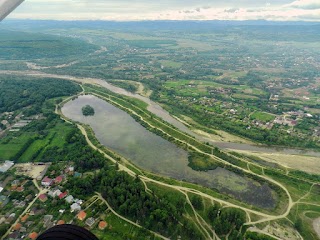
point(127, 10)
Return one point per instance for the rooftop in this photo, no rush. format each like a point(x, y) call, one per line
point(102, 225)
point(33, 235)
point(47, 180)
point(60, 222)
point(6, 166)
point(82, 215)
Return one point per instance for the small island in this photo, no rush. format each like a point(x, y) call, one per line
point(88, 110)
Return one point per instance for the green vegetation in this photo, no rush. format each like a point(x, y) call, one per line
point(31, 46)
point(87, 110)
point(130, 87)
point(261, 116)
point(257, 236)
point(24, 92)
point(201, 162)
point(203, 73)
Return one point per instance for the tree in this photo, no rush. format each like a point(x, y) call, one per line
point(197, 202)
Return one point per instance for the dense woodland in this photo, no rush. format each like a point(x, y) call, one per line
point(21, 92)
point(88, 110)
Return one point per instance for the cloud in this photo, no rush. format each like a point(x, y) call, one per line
point(282, 10)
point(231, 10)
point(305, 4)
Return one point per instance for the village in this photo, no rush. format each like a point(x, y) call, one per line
point(33, 198)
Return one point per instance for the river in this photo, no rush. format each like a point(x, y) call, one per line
point(156, 109)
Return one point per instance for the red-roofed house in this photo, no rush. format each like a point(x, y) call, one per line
point(102, 225)
point(46, 182)
point(33, 235)
point(63, 195)
point(60, 222)
point(24, 218)
point(82, 215)
point(20, 189)
point(58, 180)
point(17, 227)
point(43, 197)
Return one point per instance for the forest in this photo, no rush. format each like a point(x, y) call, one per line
point(20, 92)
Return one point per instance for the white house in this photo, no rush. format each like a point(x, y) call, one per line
point(75, 207)
point(69, 199)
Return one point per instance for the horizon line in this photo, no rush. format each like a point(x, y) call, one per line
point(163, 20)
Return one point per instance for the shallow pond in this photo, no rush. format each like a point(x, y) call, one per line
point(118, 131)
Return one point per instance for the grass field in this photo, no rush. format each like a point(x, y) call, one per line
point(11, 145)
point(119, 229)
point(261, 116)
point(171, 64)
point(56, 137)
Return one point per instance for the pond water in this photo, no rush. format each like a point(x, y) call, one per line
point(118, 131)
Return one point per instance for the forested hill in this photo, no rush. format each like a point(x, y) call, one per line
point(28, 46)
point(18, 93)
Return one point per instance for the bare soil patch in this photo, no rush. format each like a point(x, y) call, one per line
point(316, 226)
point(298, 162)
point(31, 170)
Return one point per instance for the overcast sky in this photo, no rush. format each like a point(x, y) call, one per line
point(307, 10)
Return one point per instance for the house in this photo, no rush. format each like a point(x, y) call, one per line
point(17, 227)
point(56, 193)
point(51, 193)
point(82, 215)
point(90, 222)
point(61, 222)
point(63, 195)
point(21, 204)
point(46, 182)
point(14, 235)
point(33, 211)
point(20, 189)
point(102, 225)
point(6, 166)
point(33, 236)
point(23, 230)
point(79, 201)
point(10, 218)
point(47, 221)
point(69, 199)
point(75, 207)
point(28, 198)
point(43, 197)
point(25, 218)
point(29, 223)
point(69, 170)
point(40, 212)
point(58, 179)
point(15, 183)
point(3, 200)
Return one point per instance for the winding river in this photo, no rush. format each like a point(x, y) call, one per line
point(156, 109)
